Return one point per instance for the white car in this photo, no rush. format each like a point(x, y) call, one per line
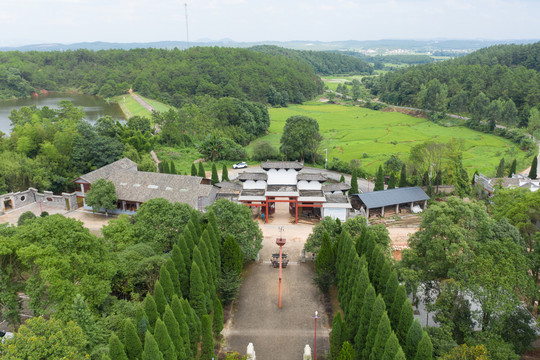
point(240, 165)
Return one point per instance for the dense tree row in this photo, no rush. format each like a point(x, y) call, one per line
point(378, 321)
point(470, 84)
point(324, 63)
point(183, 265)
point(168, 75)
point(409, 59)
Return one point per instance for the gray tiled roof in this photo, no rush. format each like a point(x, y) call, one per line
point(336, 187)
point(107, 170)
point(282, 165)
point(382, 198)
point(311, 177)
point(252, 176)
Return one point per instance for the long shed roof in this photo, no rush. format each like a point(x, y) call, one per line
point(377, 199)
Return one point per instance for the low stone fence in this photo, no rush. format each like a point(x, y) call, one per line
point(11, 201)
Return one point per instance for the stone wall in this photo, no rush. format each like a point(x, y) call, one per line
point(19, 199)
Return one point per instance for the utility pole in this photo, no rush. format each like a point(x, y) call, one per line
point(326, 158)
point(315, 340)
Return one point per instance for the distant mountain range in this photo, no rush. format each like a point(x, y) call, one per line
point(419, 46)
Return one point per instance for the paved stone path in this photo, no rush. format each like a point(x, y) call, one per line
point(278, 334)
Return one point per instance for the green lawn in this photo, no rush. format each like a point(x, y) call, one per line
point(351, 131)
point(126, 102)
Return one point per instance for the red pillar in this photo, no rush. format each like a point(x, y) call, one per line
point(296, 211)
point(267, 205)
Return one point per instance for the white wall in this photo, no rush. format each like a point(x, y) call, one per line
point(309, 185)
point(254, 184)
point(281, 177)
point(335, 213)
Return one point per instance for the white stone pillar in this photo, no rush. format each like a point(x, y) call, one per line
point(307, 353)
point(250, 353)
point(382, 211)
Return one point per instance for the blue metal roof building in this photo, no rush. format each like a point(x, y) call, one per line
point(393, 197)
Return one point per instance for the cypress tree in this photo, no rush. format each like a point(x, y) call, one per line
point(132, 342)
point(534, 168)
point(232, 259)
point(342, 179)
point(336, 337)
point(194, 325)
point(391, 347)
point(172, 167)
point(406, 319)
point(193, 170)
point(425, 348)
point(403, 177)
point(190, 243)
point(397, 304)
point(175, 277)
point(180, 316)
point(216, 246)
point(186, 252)
point(384, 330)
point(414, 335)
point(512, 168)
point(141, 321)
point(367, 307)
point(195, 218)
point(164, 341)
point(217, 319)
point(370, 245)
point(224, 173)
point(197, 298)
point(383, 276)
point(160, 167)
point(347, 352)
point(354, 183)
point(379, 264)
point(353, 316)
point(151, 349)
point(500, 169)
point(377, 257)
point(374, 320)
point(400, 355)
point(173, 328)
point(201, 171)
point(116, 348)
point(391, 287)
point(213, 220)
point(160, 298)
point(325, 259)
point(211, 259)
point(150, 310)
point(207, 346)
point(166, 169)
point(166, 283)
point(392, 181)
point(379, 183)
point(215, 177)
point(474, 177)
point(208, 278)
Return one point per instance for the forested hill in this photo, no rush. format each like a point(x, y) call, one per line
point(323, 63)
point(168, 75)
point(494, 76)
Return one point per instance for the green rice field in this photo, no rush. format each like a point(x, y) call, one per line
point(350, 132)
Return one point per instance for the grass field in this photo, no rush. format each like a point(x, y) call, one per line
point(350, 132)
point(131, 107)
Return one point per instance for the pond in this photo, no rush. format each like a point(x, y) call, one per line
point(94, 107)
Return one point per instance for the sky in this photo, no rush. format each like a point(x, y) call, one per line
point(25, 22)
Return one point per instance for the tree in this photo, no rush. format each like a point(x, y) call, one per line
point(201, 172)
point(165, 167)
point(301, 138)
point(513, 167)
point(82, 315)
point(354, 183)
point(163, 339)
point(500, 169)
point(324, 265)
point(379, 183)
point(172, 167)
point(224, 173)
point(102, 195)
point(193, 170)
point(159, 296)
point(397, 305)
point(403, 177)
point(150, 310)
point(425, 348)
point(392, 181)
point(534, 168)
point(236, 219)
point(173, 328)
point(180, 265)
point(46, 339)
point(406, 319)
point(347, 352)
point(342, 179)
point(151, 349)
point(391, 348)
point(434, 96)
point(197, 297)
point(263, 151)
point(116, 348)
point(215, 177)
point(479, 107)
point(207, 346)
point(166, 283)
point(232, 256)
point(510, 113)
point(384, 330)
point(414, 336)
point(374, 320)
point(217, 318)
point(132, 342)
point(336, 337)
point(25, 217)
point(367, 308)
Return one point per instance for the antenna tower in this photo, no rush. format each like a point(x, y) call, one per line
point(187, 27)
